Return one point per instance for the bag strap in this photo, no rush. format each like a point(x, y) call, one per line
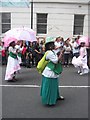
point(46, 54)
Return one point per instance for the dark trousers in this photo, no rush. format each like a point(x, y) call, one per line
point(37, 58)
point(4, 60)
point(24, 59)
point(28, 64)
point(66, 58)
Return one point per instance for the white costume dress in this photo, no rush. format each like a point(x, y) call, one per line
point(81, 61)
point(12, 65)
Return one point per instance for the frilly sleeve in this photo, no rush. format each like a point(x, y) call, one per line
point(52, 57)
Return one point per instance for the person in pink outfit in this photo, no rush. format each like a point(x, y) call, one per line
point(81, 62)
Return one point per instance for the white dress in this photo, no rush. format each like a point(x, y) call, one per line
point(12, 65)
point(81, 61)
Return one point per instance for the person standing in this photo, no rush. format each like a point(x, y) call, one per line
point(38, 54)
point(3, 53)
point(67, 53)
point(19, 48)
point(59, 42)
point(49, 87)
point(12, 64)
point(75, 48)
point(24, 51)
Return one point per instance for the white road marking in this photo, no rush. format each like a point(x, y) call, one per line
point(38, 86)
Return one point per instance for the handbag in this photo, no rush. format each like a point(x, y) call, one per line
point(42, 63)
point(56, 68)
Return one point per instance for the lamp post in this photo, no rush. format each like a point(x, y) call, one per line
point(31, 14)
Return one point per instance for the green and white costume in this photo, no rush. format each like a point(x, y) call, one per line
point(49, 87)
point(12, 64)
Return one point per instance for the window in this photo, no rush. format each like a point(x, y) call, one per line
point(6, 22)
point(78, 24)
point(41, 23)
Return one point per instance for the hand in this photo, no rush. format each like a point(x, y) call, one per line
point(60, 55)
point(17, 50)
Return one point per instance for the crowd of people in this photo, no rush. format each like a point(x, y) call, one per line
point(59, 52)
point(31, 52)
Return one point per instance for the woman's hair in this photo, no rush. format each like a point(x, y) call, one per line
point(65, 43)
point(49, 46)
point(57, 38)
point(12, 43)
point(82, 43)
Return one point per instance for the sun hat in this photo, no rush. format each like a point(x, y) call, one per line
point(49, 39)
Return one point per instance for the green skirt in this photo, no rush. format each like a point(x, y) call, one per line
point(49, 90)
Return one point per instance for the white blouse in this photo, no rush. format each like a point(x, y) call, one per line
point(58, 44)
point(13, 50)
point(52, 56)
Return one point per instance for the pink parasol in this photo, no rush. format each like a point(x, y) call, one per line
point(7, 40)
point(84, 39)
point(23, 33)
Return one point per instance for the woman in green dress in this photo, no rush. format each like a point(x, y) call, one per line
point(49, 88)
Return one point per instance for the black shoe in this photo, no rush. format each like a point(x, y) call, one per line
point(28, 66)
point(61, 98)
point(11, 80)
point(14, 79)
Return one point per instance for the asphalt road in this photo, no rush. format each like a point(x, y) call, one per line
point(24, 101)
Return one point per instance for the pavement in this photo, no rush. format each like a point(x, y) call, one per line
point(22, 99)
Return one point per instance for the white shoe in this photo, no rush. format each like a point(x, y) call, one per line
point(67, 65)
point(79, 71)
point(83, 73)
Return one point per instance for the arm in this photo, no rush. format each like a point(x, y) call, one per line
point(57, 46)
point(37, 51)
point(52, 57)
point(61, 55)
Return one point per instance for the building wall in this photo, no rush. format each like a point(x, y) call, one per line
point(61, 17)
point(62, 1)
point(19, 16)
point(0, 24)
point(89, 19)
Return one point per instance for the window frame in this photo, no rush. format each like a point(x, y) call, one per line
point(79, 26)
point(41, 23)
point(3, 23)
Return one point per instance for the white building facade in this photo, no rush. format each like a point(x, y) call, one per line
point(13, 15)
point(66, 18)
